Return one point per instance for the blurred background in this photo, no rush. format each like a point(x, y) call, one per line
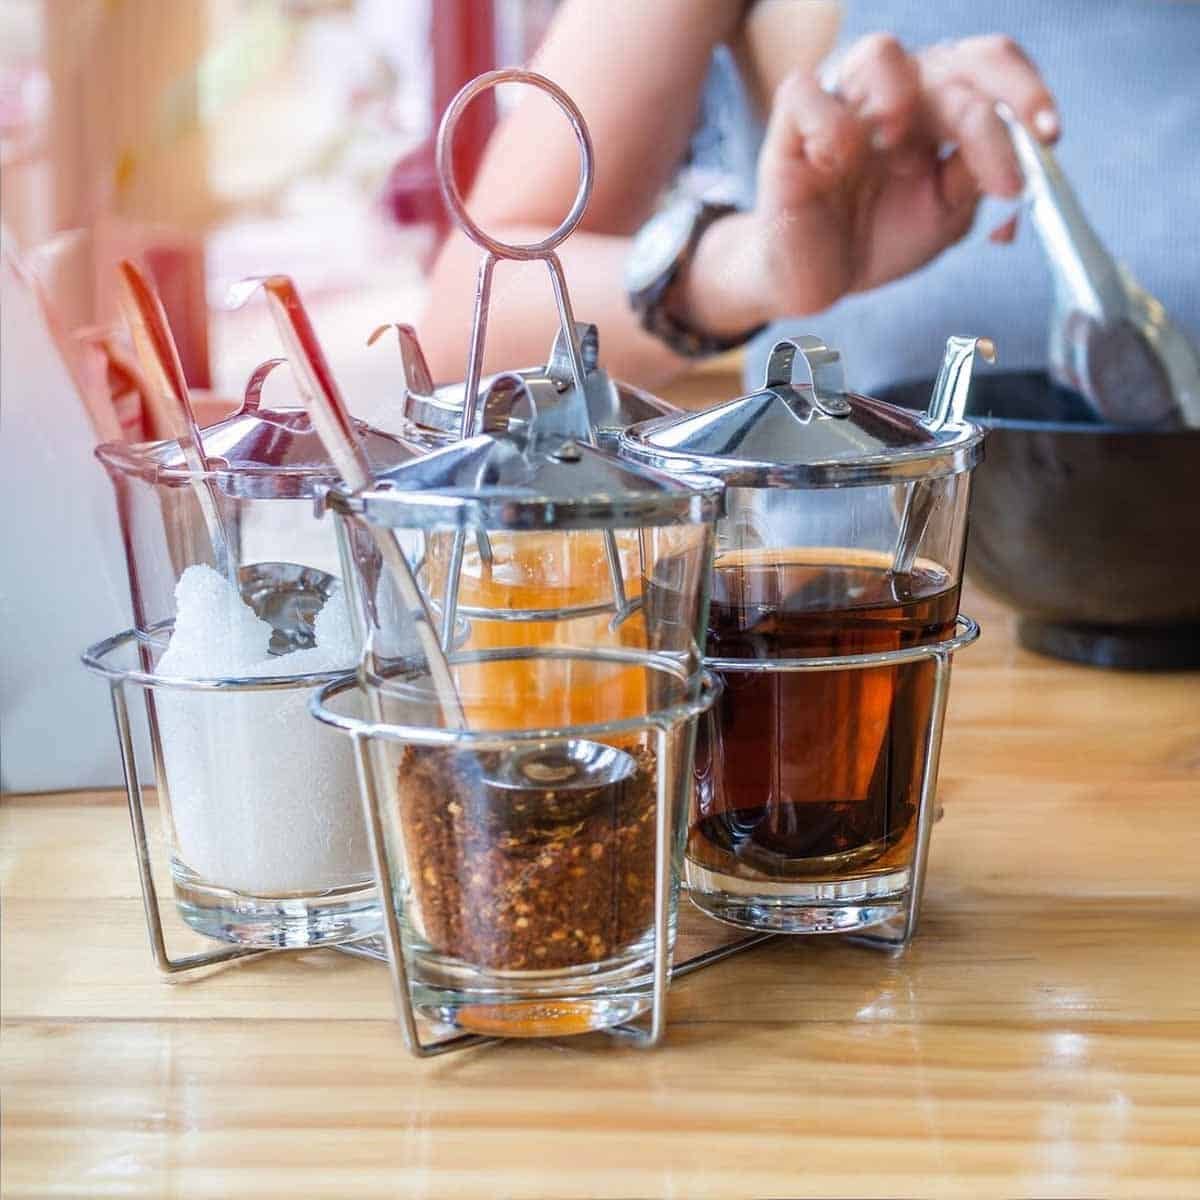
point(214, 139)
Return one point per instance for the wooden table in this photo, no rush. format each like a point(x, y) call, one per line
point(1041, 1037)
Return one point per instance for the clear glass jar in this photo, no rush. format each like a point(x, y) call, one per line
point(834, 607)
point(260, 809)
point(533, 837)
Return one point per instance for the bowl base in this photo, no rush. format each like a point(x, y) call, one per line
point(1150, 648)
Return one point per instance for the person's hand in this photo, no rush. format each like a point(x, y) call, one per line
point(865, 184)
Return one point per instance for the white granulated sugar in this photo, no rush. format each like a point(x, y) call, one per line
point(216, 632)
point(335, 635)
point(264, 800)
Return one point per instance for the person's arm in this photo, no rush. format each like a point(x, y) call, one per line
point(856, 186)
point(636, 71)
point(523, 319)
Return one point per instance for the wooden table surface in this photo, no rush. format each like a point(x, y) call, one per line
point(1041, 1037)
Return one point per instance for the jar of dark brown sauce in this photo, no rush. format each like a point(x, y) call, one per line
point(834, 616)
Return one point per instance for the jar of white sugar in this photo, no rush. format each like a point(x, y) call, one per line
point(238, 613)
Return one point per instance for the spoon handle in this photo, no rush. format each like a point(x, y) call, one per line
point(947, 405)
point(335, 427)
point(170, 400)
point(1084, 272)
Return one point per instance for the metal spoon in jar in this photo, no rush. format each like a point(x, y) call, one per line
point(172, 404)
point(331, 419)
point(286, 595)
point(947, 405)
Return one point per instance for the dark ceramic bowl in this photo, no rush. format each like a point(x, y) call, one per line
point(1090, 531)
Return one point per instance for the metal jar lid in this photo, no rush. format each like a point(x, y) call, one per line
point(255, 453)
point(530, 455)
point(436, 411)
point(539, 474)
point(816, 434)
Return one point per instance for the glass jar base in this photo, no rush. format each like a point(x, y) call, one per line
point(276, 922)
point(532, 1004)
point(800, 907)
point(536, 1018)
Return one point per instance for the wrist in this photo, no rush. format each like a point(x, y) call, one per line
point(720, 292)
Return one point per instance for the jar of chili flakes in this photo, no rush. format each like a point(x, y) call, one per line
point(533, 840)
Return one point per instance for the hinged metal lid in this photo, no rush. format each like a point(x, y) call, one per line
point(529, 457)
point(816, 434)
point(612, 405)
point(256, 453)
point(540, 474)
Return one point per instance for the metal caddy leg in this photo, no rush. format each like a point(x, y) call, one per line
point(895, 934)
point(137, 819)
point(96, 659)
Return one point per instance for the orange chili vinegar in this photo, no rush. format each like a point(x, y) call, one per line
point(539, 571)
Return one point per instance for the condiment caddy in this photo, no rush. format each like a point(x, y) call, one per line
point(526, 787)
point(512, 661)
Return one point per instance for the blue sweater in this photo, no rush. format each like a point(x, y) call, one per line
point(1126, 74)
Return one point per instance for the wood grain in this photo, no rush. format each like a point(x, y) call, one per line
point(1041, 1037)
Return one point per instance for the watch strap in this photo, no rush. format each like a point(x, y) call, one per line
point(650, 302)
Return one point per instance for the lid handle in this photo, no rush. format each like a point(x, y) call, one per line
point(948, 403)
point(417, 377)
point(494, 249)
point(826, 379)
point(507, 390)
point(558, 365)
point(252, 397)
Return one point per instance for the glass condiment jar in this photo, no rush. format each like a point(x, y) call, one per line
point(238, 614)
point(834, 613)
point(530, 825)
point(503, 585)
point(531, 615)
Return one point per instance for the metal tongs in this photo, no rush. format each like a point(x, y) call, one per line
point(1110, 340)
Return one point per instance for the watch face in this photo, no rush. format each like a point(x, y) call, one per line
point(658, 245)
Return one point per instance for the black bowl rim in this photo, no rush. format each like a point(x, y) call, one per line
point(1027, 425)
point(1076, 427)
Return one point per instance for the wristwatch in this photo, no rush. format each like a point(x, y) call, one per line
point(663, 248)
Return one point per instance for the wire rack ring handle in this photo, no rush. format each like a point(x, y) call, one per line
point(449, 184)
